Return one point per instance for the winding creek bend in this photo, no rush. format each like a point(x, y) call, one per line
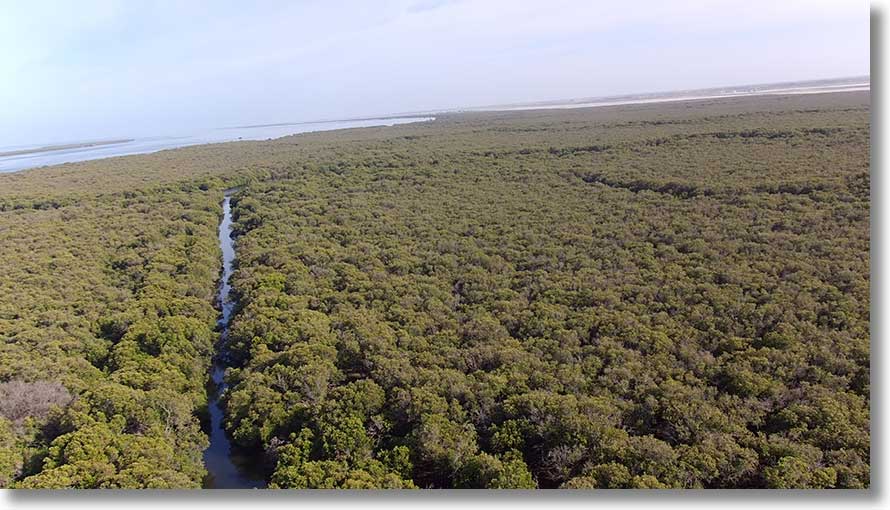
point(228, 467)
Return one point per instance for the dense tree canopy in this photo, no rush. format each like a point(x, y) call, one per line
point(653, 308)
point(648, 296)
point(111, 299)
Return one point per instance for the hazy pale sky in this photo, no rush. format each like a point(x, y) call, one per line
point(93, 69)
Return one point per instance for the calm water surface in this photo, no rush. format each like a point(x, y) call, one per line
point(16, 162)
point(228, 467)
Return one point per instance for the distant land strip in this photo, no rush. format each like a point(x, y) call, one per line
point(328, 121)
point(61, 147)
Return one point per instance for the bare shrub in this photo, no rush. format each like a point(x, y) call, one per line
point(272, 450)
point(561, 461)
point(20, 399)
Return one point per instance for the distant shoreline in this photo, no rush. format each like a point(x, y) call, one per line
point(35, 157)
point(853, 84)
point(823, 86)
point(62, 147)
point(674, 99)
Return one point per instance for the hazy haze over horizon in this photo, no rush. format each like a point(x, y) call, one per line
point(95, 69)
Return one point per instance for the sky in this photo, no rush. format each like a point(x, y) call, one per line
point(96, 69)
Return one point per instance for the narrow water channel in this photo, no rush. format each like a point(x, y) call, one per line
point(227, 467)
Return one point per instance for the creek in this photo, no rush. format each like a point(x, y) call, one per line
point(228, 466)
